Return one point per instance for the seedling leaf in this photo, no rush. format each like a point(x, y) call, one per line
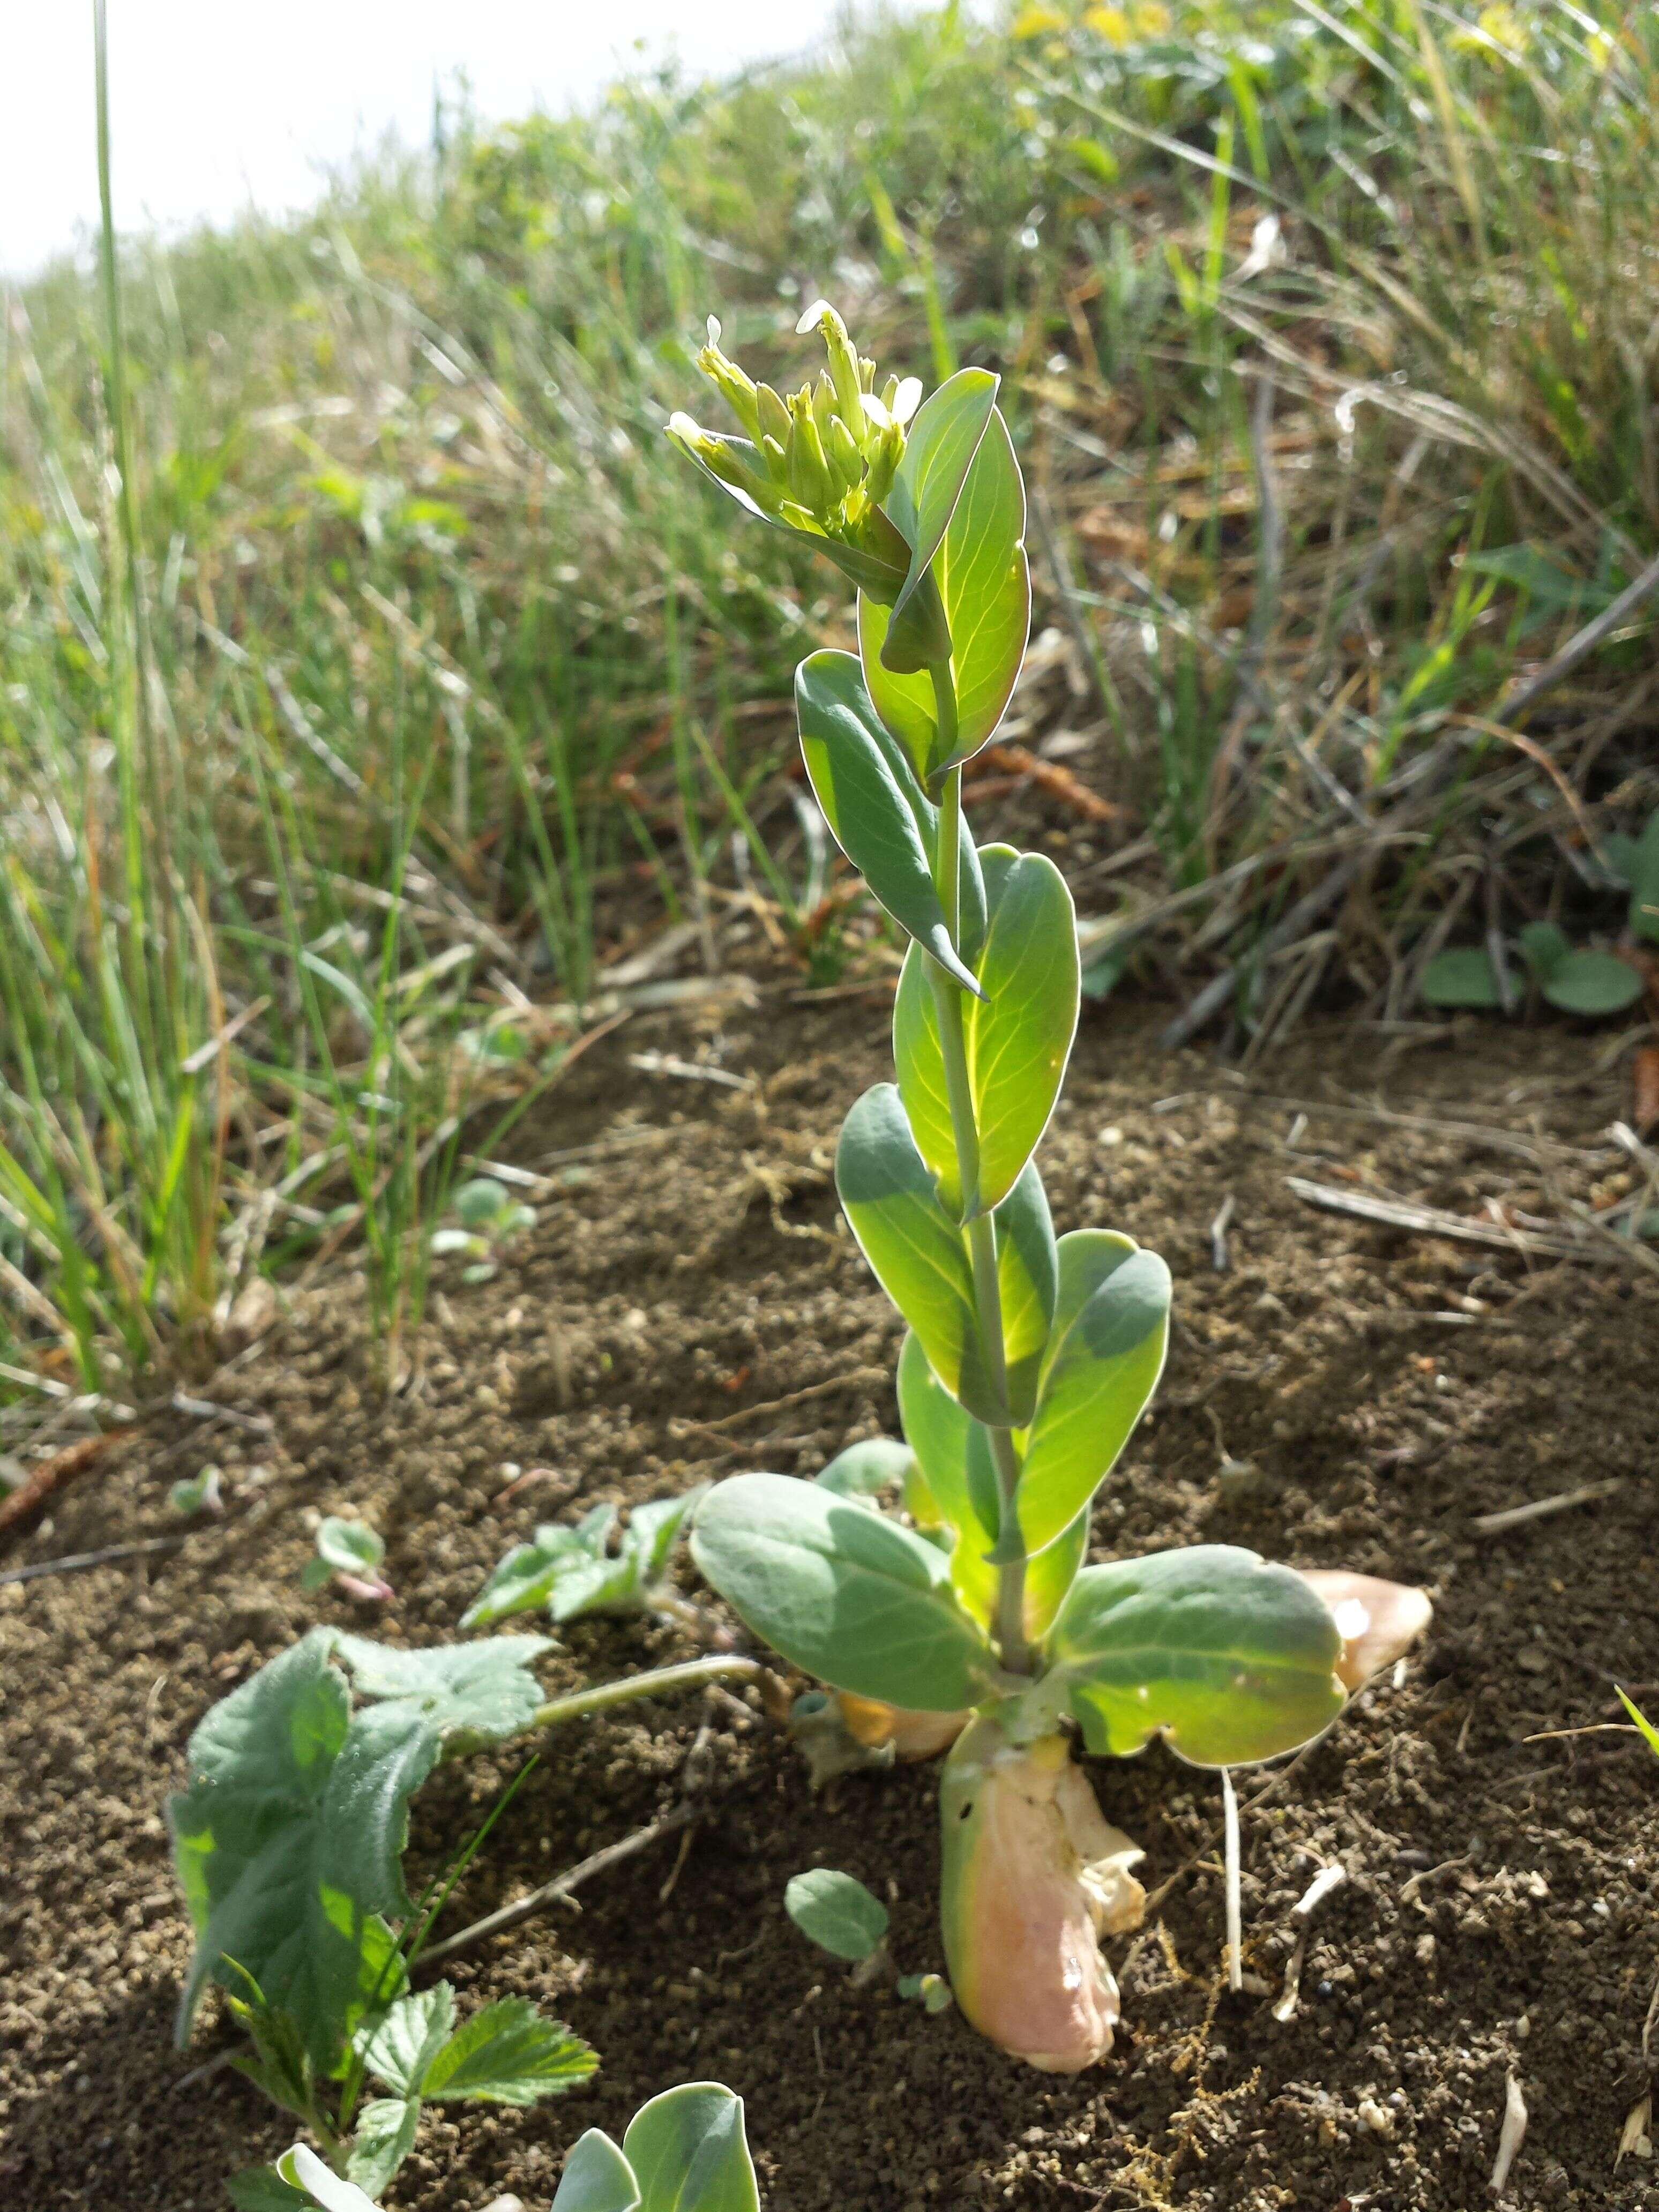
point(1464, 976)
point(688, 2152)
point(349, 1547)
point(1592, 983)
point(836, 1911)
point(597, 2177)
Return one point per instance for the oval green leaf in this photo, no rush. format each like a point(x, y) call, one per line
point(836, 1911)
point(939, 450)
point(688, 2152)
point(1110, 1332)
point(1017, 1037)
point(915, 1249)
point(877, 811)
point(842, 1593)
point(1461, 977)
point(1232, 1659)
point(1592, 983)
point(984, 582)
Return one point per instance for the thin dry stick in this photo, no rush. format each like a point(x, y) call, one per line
point(510, 1915)
point(1516, 702)
point(1432, 1221)
point(1540, 1509)
point(73, 1560)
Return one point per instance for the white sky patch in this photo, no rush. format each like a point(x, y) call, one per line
point(218, 107)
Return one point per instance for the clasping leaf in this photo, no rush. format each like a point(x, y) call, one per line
point(1234, 1660)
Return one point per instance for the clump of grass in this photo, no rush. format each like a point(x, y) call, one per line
point(396, 662)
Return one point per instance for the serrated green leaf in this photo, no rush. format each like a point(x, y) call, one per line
point(262, 2189)
point(509, 2054)
point(284, 1880)
point(399, 2045)
point(984, 583)
point(939, 450)
point(877, 812)
point(1110, 1332)
point(1592, 983)
point(349, 1547)
point(866, 1468)
point(842, 1593)
point(384, 2137)
point(836, 1911)
point(1233, 1659)
point(1017, 1038)
point(531, 1573)
point(597, 2177)
point(485, 1688)
point(289, 1837)
point(1464, 976)
point(688, 2152)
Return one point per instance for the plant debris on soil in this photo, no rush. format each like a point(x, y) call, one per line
point(1339, 1393)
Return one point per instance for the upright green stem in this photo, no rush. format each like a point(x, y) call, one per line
point(981, 1228)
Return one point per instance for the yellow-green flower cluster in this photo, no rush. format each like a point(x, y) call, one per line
point(821, 458)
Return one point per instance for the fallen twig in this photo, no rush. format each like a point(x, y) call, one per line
point(111, 1552)
point(1434, 1221)
point(1540, 1509)
point(31, 1494)
point(525, 1908)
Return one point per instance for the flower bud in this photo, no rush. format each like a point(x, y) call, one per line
point(845, 369)
point(841, 451)
point(720, 459)
point(1378, 1622)
point(773, 415)
point(729, 380)
point(885, 458)
point(1033, 1875)
point(809, 473)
